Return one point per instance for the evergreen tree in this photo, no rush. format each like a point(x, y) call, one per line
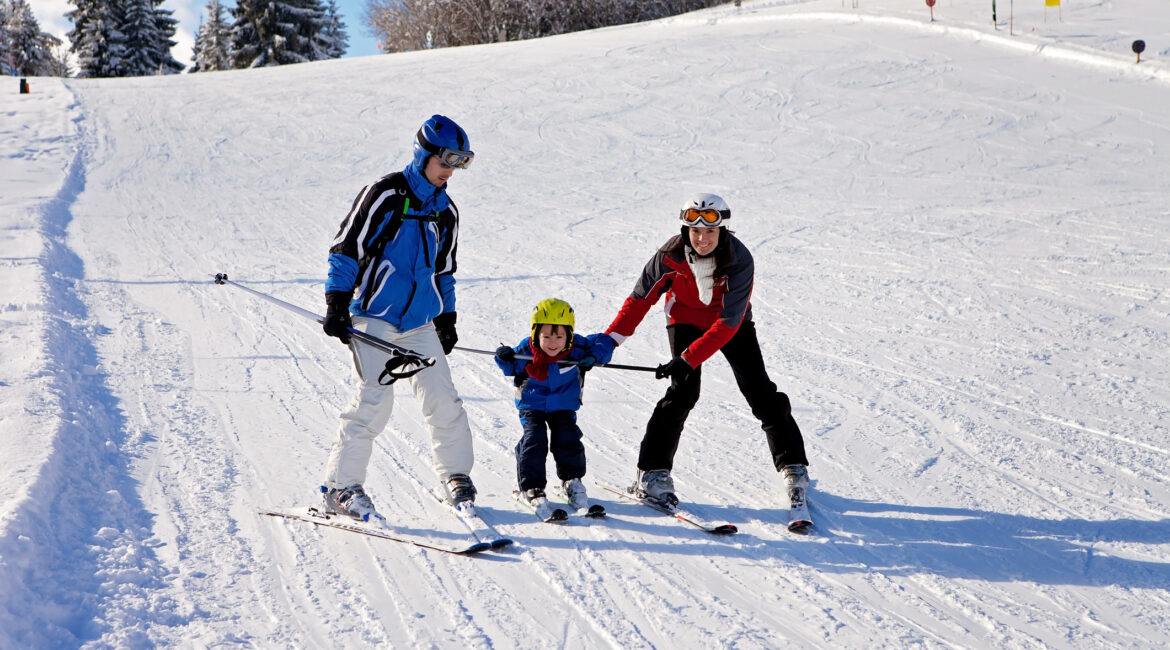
point(333, 37)
point(211, 42)
point(95, 38)
point(24, 48)
point(165, 25)
point(122, 38)
point(277, 32)
point(147, 30)
point(7, 55)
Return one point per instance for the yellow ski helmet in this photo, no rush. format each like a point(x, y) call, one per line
point(553, 311)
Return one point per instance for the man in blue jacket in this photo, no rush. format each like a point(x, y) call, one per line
point(391, 275)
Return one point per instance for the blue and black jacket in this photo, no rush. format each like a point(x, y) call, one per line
point(561, 391)
point(395, 251)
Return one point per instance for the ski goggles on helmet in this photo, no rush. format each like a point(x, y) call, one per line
point(453, 158)
point(449, 158)
point(702, 217)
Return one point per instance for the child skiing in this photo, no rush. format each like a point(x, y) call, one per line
point(548, 394)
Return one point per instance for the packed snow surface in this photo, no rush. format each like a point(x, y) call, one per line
point(960, 233)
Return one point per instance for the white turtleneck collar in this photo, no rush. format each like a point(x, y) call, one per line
point(703, 268)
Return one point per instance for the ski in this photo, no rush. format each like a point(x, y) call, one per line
point(587, 509)
point(482, 530)
point(544, 511)
point(676, 512)
point(384, 531)
point(592, 511)
point(799, 520)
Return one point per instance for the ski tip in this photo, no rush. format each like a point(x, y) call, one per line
point(800, 527)
point(725, 529)
point(500, 542)
point(476, 548)
point(595, 511)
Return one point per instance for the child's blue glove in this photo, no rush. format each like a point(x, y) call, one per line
point(505, 354)
point(586, 363)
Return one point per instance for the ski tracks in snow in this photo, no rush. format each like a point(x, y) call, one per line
point(79, 551)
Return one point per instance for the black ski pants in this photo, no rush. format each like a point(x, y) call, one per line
point(532, 450)
point(770, 406)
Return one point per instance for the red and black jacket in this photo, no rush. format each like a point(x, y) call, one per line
point(668, 273)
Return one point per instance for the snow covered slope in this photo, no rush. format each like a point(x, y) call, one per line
point(960, 242)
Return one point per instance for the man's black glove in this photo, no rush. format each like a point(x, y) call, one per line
point(505, 354)
point(677, 369)
point(445, 327)
point(337, 320)
point(587, 362)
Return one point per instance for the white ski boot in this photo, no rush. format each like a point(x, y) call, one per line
point(351, 501)
point(575, 494)
point(796, 485)
point(536, 499)
point(656, 484)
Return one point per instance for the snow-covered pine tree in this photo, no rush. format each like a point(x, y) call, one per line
point(7, 58)
point(334, 39)
point(211, 42)
point(95, 38)
point(166, 26)
point(122, 38)
point(276, 32)
point(24, 49)
point(147, 30)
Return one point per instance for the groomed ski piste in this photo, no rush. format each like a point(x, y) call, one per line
point(960, 238)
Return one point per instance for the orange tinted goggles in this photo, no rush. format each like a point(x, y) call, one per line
point(706, 215)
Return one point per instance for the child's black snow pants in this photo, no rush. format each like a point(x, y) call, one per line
point(532, 450)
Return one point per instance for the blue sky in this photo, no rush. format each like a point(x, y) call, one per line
point(360, 44)
point(51, 16)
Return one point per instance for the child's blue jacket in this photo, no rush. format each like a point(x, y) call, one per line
point(562, 390)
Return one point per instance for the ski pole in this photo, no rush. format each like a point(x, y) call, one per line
point(399, 356)
point(567, 362)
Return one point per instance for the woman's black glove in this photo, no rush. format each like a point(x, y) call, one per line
point(677, 369)
point(505, 354)
point(445, 327)
point(337, 320)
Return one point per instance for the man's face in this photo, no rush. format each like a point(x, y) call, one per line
point(436, 173)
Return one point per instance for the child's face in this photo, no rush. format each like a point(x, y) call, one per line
point(551, 339)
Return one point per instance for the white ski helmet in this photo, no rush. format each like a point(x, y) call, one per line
point(704, 211)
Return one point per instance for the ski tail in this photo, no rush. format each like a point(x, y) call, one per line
point(380, 529)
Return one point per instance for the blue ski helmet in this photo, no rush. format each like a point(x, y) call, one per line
point(441, 136)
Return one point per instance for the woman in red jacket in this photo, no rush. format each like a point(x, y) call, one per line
point(706, 274)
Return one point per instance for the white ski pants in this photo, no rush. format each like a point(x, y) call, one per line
point(369, 411)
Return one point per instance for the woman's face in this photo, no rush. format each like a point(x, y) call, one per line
point(551, 339)
point(704, 240)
